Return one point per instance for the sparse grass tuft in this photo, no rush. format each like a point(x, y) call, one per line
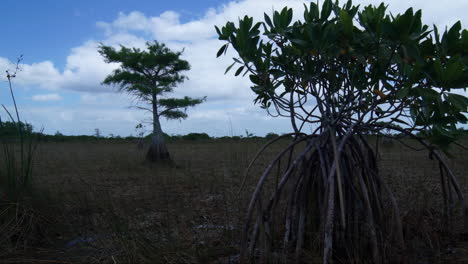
point(21, 224)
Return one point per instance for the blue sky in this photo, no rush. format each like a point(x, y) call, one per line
point(48, 29)
point(59, 86)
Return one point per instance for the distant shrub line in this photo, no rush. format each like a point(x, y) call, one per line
point(190, 136)
point(9, 130)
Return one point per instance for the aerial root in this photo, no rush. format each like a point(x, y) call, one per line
point(330, 190)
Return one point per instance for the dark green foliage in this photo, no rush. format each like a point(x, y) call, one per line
point(143, 73)
point(172, 105)
point(165, 135)
point(196, 136)
point(387, 60)
point(59, 137)
point(152, 72)
point(271, 135)
point(10, 129)
point(224, 138)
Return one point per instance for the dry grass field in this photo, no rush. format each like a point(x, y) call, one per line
point(99, 202)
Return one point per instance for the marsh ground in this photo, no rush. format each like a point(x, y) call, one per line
point(101, 203)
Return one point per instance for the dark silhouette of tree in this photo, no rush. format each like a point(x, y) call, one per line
point(347, 72)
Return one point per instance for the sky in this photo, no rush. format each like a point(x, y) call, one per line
point(59, 86)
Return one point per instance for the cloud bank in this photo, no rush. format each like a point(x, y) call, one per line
point(46, 97)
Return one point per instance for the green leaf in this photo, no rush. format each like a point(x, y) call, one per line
point(268, 20)
point(461, 118)
point(400, 121)
point(301, 43)
point(277, 19)
point(229, 67)
point(284, 17)
point(289, 16)
point(389, 29)
point(326, 10)
point(347, 23)
point(277, 73)
point(254, 79)
point(218, 31)
point(348, 5)
point(426, 92)
point(458, 101)
point(465, 39)
point(438, 70)
point(241, 68)
point(454, 32)
point(403, 93)
point(255, 31)
point(221, 50)
point(314, 11)
point(453, 71)
point(405, 22)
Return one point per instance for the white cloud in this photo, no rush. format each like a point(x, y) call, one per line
point(46, 97)
point(44, 74)
point(134, 21)
point(85, 68)
point(82, 119)
point(167, 26)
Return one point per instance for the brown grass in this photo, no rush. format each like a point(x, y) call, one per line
point(127, 211)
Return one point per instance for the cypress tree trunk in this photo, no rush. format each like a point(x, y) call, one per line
point(157, 150)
